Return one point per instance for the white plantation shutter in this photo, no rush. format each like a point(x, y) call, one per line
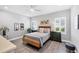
point(34, 25)
point(60, 25)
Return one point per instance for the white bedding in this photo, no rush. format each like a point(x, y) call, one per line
point(42, 37)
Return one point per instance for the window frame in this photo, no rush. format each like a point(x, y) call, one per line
point(59, 20)
point(32, 27)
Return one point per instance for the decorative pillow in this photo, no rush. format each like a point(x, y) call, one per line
point(46, 30)
point(41, 30)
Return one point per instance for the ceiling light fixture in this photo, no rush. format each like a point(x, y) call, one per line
point(32, 10)
point(5, 7)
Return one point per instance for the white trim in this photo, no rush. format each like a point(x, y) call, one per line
point(66, 41)
point(15, 38)
point(59, 24)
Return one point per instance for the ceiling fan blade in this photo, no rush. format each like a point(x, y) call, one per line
point(33, 8)
point(37, 10)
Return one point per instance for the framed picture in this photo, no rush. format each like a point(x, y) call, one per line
point(78, 22)
point(16, 26)
point(21, 26)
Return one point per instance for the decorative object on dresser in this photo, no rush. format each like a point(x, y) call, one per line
point(55, 36)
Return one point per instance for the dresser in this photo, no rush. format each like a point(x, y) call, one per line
point(55, 36)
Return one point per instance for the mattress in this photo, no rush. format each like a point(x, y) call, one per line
point(42, 37)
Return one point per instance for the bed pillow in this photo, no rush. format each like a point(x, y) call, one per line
point(46, 30)
point(41, 30)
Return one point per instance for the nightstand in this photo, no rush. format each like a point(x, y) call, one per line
point(55, 36)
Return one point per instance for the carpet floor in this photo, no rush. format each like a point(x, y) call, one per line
point(49, 47)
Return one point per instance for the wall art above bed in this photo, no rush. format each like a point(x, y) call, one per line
point(44, 22)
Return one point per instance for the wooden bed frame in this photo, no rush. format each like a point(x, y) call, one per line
point(33, 41)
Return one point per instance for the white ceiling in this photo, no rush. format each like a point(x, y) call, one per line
point(25, 9)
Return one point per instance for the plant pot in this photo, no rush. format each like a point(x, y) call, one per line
point(4, 33)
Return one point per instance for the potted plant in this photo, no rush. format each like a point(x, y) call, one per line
point(29, 30)
point(4, 29)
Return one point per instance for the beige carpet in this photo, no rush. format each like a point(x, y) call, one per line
point(49, 47)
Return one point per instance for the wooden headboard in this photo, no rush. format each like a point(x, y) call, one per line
point(45, 27)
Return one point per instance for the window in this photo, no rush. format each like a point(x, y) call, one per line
point(34, 25)
point(60, 25)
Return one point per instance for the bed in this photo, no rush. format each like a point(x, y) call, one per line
point(37, 39)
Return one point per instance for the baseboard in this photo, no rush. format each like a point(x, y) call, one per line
point(15, 38)
point(66, 41)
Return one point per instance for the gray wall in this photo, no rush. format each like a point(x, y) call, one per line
point(74, 25)
point(8, 19)
point(74, 22)
point(51, 18)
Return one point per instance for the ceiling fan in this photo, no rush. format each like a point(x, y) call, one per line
point(33, 9)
